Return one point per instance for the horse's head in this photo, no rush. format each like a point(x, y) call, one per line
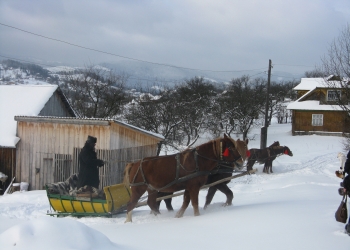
point(235, 151)
point(287, 151)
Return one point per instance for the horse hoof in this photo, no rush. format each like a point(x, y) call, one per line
point(226, 204)
point(179, 214)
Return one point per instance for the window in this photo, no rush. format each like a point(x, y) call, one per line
point(333, 95)
point(317, 120)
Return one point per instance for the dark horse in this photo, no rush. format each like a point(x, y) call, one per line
point(224, 170)
point(187, 171)
point(267, 156)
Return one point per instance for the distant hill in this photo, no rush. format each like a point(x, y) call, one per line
point(139, 74)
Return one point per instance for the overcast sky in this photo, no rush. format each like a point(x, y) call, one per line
point(214, 35)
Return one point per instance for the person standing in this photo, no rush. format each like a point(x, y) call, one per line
point(89, 164)
point(346, 185)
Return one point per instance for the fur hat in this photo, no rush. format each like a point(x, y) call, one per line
point(91, 139)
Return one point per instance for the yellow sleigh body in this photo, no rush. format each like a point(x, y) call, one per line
point(117, 196)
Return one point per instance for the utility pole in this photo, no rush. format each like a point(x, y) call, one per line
point(263, 136)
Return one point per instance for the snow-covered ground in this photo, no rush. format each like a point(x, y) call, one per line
point(293, 208)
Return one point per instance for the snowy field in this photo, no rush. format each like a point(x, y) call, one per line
point(293, 208)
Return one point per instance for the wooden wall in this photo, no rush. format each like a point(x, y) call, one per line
point(126, 137)
point(332, 121)
point(48, 149)
point(55, 106)
point(7, 166)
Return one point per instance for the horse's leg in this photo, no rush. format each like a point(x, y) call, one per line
point(271, 164)
point(168, 204)
point(250, 164)
point(160, 194)
point(185, 203)
point(194, 192)
point(136, 193)
point(167, 201)
point(152, 201)
point(227, 191)
point(210, 195)
point(265, 167)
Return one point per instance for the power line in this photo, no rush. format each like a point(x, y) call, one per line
point(116, 55)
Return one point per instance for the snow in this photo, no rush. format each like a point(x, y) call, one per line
point(312, 105)
point(17, 100)
point(312, 83)
point(293, 208)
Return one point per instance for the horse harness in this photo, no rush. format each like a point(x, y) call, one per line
point(196, 172)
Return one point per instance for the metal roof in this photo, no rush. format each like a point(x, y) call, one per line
point(83, 121)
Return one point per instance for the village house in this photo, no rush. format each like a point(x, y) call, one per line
point(315, 111)
point(41, 137)
point(25, 100)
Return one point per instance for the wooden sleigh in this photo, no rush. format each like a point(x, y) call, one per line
point(117, 197)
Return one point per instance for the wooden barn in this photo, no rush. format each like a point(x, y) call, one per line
point(315, 111)
point(25, 100)
point(49, 147)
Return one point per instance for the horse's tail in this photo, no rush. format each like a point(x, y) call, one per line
point(127, 169)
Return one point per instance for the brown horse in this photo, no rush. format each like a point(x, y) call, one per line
point(266, 156)
point(224, 170)
point(183, 171)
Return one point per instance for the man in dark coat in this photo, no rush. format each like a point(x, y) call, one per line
point(89, 164)
point(346, 185)
point(347, 164)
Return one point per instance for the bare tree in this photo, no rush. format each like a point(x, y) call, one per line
point(240, 105)
point(278, 93)
point(95, 93)
point(337, 63)
point(337, 60)
point(193, 104)
point(316, 73)
point(155, 114)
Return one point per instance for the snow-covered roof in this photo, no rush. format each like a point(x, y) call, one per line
point(312, 105)
point(312, 83)
point(27, 100)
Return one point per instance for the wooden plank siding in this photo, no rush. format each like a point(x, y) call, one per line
point(7, 166)
point(334, 123)
point(57, 105)
point(49, 147)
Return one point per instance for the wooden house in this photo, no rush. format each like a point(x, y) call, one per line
point(315, 111)
point(49, 147)
point(25, 100)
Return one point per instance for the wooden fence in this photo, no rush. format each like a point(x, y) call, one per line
point(115, 161)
